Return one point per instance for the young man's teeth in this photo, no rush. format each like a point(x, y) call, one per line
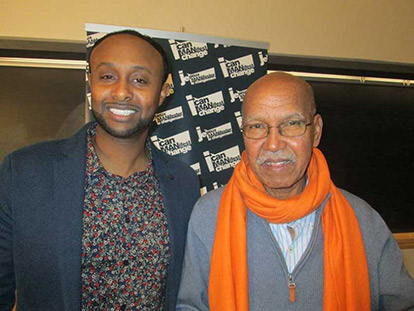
point(121, 112)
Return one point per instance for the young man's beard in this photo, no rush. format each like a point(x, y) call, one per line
point(138, 129)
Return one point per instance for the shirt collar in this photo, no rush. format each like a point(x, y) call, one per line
point(96, 167)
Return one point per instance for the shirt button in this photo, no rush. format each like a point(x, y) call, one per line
point(126, 262)
point(127, 220)
point(171, 177)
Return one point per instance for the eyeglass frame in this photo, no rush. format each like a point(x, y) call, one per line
point(278, 128)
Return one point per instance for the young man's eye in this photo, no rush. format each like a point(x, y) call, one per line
point(139, 81)
point(107, 77)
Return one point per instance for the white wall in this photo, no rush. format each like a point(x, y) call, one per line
point(359, 29)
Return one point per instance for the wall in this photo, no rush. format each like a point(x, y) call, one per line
point(364, 29)
point(381, 30)
point(409, 260)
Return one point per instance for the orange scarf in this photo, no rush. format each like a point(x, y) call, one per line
point(346, 283)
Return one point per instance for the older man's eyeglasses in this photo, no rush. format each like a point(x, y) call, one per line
point(290, 128)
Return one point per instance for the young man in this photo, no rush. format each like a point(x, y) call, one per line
point(98, 221)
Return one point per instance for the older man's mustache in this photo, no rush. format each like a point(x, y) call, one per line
point(279, 155)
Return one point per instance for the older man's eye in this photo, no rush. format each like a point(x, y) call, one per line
point(291, 124)
point(257, 126)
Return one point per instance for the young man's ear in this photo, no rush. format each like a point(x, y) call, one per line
point(165, 90)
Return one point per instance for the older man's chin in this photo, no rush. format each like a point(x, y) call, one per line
point(285, 190)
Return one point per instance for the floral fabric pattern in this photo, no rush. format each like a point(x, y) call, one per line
point(125, 242)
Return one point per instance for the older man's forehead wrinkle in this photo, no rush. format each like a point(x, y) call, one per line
point(265, 99)
point(265, 118)
point(275, 90)
point(272, 101)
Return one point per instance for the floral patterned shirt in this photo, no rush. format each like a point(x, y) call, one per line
point(125, 242)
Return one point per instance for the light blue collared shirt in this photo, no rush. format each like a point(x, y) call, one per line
point(293, 250)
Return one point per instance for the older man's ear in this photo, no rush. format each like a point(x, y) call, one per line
point(317, 129)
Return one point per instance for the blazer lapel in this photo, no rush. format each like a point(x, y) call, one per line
point(68, 195)
point(171, 197)
point(173, 204)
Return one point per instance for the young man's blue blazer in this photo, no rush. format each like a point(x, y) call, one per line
point(41, 207)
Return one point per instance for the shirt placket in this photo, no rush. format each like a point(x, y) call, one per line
point(290, 254)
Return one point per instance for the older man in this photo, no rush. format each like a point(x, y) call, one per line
point(98, 221)
point(280, 235)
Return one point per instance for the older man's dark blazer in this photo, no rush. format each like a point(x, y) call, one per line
point(41, 207)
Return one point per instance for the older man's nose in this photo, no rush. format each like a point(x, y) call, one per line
point(274, 141)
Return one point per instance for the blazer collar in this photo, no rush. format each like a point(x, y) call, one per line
point(75, 146)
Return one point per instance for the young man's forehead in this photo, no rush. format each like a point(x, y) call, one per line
point(116, 50)
point(121, 42)
point(115, 41)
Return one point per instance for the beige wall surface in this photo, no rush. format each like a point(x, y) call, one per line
point(358, 29)
point(408, 255)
